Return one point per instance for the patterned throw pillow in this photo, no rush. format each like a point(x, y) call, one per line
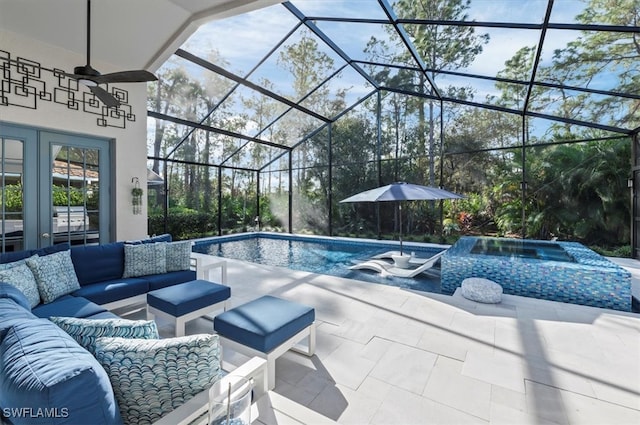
point(145, 259)
point(22, 278)
point(153, 377)
point(54, 274)
point(178, 256)
point(5, 266)
point(86, 331)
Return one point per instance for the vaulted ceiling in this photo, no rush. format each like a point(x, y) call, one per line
point(129, 34)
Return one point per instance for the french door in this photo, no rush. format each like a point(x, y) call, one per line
point(55, 188)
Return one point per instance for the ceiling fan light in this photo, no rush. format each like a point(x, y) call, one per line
point(88, 83)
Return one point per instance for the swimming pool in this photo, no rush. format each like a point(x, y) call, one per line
point(316, 254)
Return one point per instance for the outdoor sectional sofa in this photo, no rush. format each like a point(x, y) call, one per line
point(100, 270)
point(46, 376)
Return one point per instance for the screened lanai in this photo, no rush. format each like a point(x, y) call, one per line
point(267, 120)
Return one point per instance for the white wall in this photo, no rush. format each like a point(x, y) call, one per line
point(130, 143)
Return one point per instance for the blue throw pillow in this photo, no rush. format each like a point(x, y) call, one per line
point(54, 274)
point(153, 377)
point(145, 259)
point(178, 256)
point(22, 278)
point(86, 331)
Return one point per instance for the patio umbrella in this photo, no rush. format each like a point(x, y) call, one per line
point(402, 192)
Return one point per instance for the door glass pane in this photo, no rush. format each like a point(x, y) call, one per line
point(11, 195)
point(75, 195)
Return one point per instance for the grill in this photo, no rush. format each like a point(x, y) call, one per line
point(70, 219)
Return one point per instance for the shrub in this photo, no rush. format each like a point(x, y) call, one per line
point(184, 225)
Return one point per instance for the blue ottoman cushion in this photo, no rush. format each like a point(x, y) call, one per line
point(44, 369)
point(68, 306)
point(264, 323)
point(178, 300)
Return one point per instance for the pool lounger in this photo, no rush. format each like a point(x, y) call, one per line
point(388, 269)
point(389, 255)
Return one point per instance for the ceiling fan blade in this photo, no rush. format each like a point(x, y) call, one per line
point(104, 96)
point(138, 76)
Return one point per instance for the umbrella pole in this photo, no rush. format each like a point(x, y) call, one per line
point(400, 232)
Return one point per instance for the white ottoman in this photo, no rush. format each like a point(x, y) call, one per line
point(481, 290)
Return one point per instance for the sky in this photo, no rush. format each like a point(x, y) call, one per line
point(242, 40)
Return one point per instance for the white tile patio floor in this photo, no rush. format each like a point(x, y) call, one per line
point(391, 356)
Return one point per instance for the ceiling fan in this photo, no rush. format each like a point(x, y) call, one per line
point(91, 78)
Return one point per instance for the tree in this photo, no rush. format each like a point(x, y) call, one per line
point(441, 47)
point(161, 97)
point(581, 192)
point(587, 59)
point(308, 67)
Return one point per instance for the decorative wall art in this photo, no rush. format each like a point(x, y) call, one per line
point(24, 83)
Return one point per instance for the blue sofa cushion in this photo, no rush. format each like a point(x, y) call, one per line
point(165, 237)
point(41, 367)
point(23, 279)
point(98, 263)
point(264, 323)
point(157, 281)
point(113, 290)
point(86, 331)
point(54, 274)
point(103, 315)
point(9, 257)
point(145, 259)
point(153, 377)
point(178, 300)
point(48, 250)
point(68, 306)
point(11, 292)
point(6, 266)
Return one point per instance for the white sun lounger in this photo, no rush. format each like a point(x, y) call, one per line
point(390, 254)
point(388, 269)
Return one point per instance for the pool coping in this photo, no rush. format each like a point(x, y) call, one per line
point(334, 239)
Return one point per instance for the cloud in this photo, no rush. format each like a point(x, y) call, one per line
point(244, 39)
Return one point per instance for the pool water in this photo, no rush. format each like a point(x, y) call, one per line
point(324, 256)
point(518, 248)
